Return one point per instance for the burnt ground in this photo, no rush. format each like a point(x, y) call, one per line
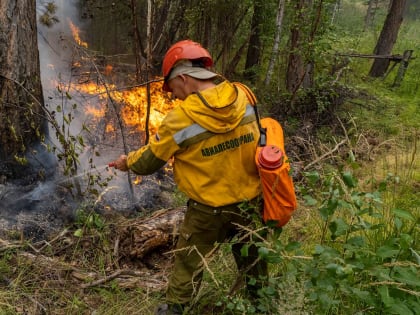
point(42, 209)
point(37, 207)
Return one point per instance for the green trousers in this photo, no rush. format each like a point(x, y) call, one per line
point(203, 228)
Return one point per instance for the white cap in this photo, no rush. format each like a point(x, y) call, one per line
point(186, 67)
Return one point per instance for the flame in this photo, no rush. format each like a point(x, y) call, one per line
point(134, 113)
point(95, 112)
point(108, 70)
point(75, 31)
point(137, 180)
point(109, 128)
point(91, 88)
point(133, 103)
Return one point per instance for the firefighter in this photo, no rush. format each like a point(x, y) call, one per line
point(212, 136)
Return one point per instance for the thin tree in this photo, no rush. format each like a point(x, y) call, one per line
point(149, 44)
point(137, 45)
point(336, 10)
point(388, 37)
point(21, 98)
point(254, 47)
point(276, 45)
point(370, 13)
point(295, 66)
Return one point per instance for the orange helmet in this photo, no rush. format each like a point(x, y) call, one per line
point(185, 49)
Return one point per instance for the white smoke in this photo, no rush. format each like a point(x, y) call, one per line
point(58, 52)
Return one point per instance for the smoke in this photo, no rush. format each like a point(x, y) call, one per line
point(41, 206)
point(59, 52)
point(54, 41)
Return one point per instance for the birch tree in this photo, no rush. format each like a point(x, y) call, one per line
point(276, 45)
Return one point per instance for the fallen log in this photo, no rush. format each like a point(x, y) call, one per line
point(141, 236)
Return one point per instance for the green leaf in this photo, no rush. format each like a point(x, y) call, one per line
point(398, 224)
point(313, 177)
point(245, 250)
point(309, 201)
point(269, 291)
point(293, 246)
point(273, 258)
point(252, 281)
point(78, 233)
point(328, 209)
point(349, 180)
point(407, 276)
point(415, 255)
point(406, 240)
point(387, 252)
point(352, 158)
point(338, 227)
point(319, 249)
point(399, 307)
point(384, 294)
point(403, 214)
point(263, 252)
point(364, 296)
point(357, 241)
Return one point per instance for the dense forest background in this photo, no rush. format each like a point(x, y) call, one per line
point(342, 78)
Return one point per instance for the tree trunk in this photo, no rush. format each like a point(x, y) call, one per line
point(275, 51)
point(336, 10)
point(295, 66)
point(388, 37)
point(137, 45)
point(254, 47)
point(21, 99)
point(370, 13)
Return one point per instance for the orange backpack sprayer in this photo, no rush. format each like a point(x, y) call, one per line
point(274, 169)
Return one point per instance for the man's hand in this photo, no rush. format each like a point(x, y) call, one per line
point(120, 163)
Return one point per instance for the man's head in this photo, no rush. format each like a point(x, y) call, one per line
point(186, 62)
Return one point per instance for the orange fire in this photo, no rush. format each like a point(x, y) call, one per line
point(132, 102)
point(95, 112)
point(75, 31)
point(137, 180)
point(134, 113)
point(108, 70)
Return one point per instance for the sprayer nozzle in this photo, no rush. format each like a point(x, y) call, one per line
point(112, 164)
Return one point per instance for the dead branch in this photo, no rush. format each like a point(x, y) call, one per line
point(338, 145)
point(6, 245)
point(104, 280)
point(396, 58)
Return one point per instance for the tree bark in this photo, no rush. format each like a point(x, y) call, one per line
point(370, 13)
point(21, 98)
point(137, 46)
point(139, 237)
point(295, 66)
point(254, 47)
point(275, 51)
point(388, 37)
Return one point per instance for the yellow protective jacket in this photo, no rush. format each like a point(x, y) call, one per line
point(213, 137)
